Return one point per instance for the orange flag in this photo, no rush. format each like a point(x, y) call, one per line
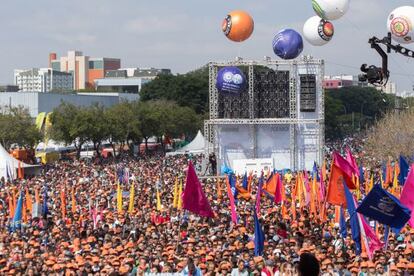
point(337, 214)
point(20, 171)
point(63, 203)
point(29, 204)
point(219, 195)
point(73, 200)
point(313, 198)
point(336, 193)
point(11, 206)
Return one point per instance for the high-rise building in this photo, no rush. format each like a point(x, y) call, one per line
point(83, 68)
point(43, 80)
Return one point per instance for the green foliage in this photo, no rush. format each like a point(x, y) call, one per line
point(16, 127)
point(190, 90)
point(351, 109)
point(122, 123)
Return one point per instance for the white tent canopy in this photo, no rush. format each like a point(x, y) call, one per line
point(197, 146)
point(9, 164)
point(52, 146)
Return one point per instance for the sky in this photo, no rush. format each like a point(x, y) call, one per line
point(185, 34)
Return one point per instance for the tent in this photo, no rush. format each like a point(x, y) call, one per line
point(197, 146)
point(52, 146)
point(9, 165)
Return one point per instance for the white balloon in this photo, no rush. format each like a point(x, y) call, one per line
point(318, 31)
point(330, 9)
point(400, 24)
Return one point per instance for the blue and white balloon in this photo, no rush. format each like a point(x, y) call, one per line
point(288, 44)
point(231, 81)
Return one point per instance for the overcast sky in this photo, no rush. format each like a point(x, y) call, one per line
point(184, 34)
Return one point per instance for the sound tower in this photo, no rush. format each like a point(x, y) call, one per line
point(307, 92)
point(270, 97)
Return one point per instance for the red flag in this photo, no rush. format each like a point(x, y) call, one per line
point(194, 199)
point(278, 191)
point(336, 192)
point(345, 168)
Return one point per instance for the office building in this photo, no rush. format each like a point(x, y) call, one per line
point(85, 69)
point(128, 80)
point(36, 102)
point(43, 80)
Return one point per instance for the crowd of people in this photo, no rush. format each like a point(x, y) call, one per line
point(80, 230)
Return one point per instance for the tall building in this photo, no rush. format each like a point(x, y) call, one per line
point(43, 80)
point(128, 80)
point(83, 68)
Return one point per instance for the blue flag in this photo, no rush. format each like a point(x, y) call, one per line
point(386, 235)
point(245, 182)
point(355, 230)
point(385, 208)
point(342, 224)
point(315, 172)
point(45, 209)
point(403, 170)
point(17, 217)
point(258, 237)
point(361, 175)
point(232, 182)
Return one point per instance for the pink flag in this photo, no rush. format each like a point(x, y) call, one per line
point(368, 237)
point(194, 199)
point(232, 204)
point(278, 191)
point(407, 194)
point(351, 160)
point(346, 169)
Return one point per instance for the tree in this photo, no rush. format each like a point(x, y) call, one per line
point(149, 120)
point(17, 127)
point(68, 126)
point(391, 136)
point(352, 109)
point(97, 125)
point(189, 90)
point(124, 125)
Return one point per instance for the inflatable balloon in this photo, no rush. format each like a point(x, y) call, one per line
point(288, 44)
point(318, 31)
point(330, 9)
point(231, 81)
point(238, 26)
point(400, 24)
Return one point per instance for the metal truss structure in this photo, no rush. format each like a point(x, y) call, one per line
point(296, 119)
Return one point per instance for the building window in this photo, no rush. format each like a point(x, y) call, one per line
point(95, 64)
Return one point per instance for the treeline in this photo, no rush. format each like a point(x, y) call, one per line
point(17, 127)
point(350, 110)
point(126, 123)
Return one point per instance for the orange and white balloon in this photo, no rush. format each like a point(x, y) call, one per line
point(238, 26)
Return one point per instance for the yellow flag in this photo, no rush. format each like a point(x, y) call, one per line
point(371, 183)
point(382, 181)
point(119, 198)
point(175, 201)
point(131, 198)
point(358, 188)
point(180, 191)
point(159, 207)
